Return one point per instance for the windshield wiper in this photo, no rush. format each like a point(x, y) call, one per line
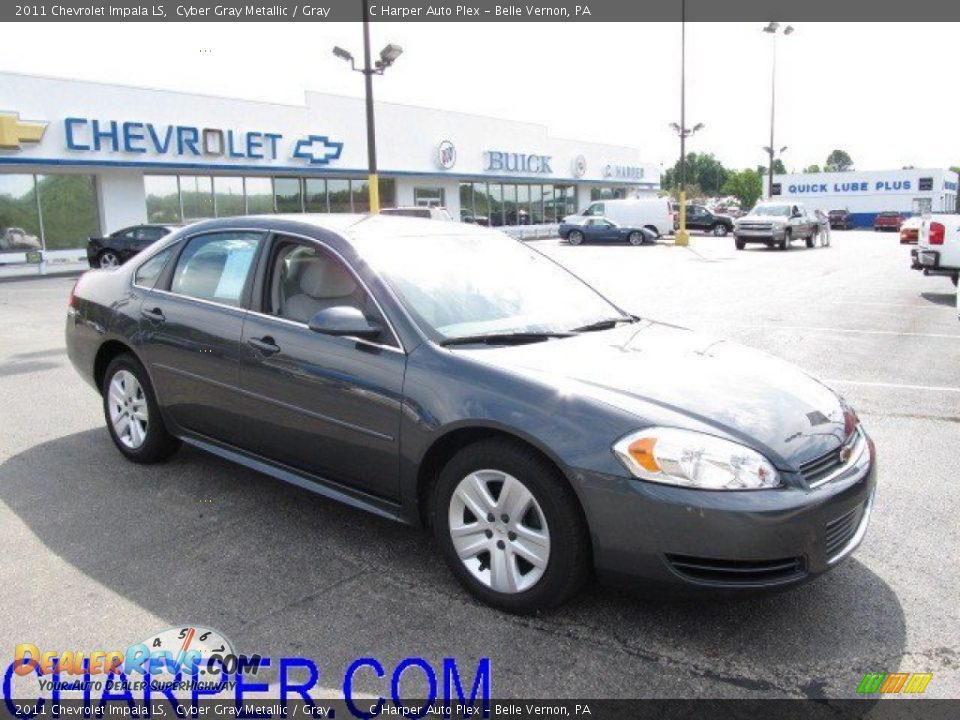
point(607, 324)
point(514, 338)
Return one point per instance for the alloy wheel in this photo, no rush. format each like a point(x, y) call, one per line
point(109, 260)
point(128, 409)
point(499, 531)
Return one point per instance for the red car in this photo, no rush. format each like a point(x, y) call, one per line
point(910, 231)
point(888, 221)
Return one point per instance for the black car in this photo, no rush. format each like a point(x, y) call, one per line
point(840, 220)
point(699, 218)
point(449, 375)
point(116, 248)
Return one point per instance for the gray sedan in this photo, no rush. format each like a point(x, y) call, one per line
point(447, 375)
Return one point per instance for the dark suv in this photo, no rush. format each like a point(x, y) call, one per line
point(699, 218)
point(840, 220)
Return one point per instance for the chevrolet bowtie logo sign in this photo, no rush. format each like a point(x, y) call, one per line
point(318, 149)
point(14, 131)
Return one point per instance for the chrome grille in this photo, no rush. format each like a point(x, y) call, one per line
point(820, 469)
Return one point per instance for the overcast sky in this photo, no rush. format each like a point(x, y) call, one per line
point(884, 92)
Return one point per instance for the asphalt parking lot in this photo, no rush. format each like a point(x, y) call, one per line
point(101, 553)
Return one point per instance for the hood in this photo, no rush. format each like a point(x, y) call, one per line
point(773, 219)
point(658, 371)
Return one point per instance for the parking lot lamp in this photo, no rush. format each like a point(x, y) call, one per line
point(388, 56)
point(773, 29)
point(682, 237)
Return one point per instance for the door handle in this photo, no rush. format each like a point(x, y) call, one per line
point(265, 345)
point(153, 314)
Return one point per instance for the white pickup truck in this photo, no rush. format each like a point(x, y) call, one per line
point(938, 246)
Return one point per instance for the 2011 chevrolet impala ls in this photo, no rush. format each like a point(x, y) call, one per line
point(446, 374)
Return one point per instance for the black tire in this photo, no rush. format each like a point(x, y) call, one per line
point(719, 230)
point(158, 444)
point(568, 565)
point(810, 241)
point(785, 243)
point(575, 237)
point(635, 238)
point(955, 278)
point(740, 244)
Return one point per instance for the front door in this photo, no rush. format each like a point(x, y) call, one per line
point(326, 405)
point(190, 328)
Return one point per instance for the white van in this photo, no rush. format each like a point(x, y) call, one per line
point(652, 213)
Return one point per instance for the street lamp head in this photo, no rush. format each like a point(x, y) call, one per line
point(390, 53)
point(788, 29)
point(342, 54)
point(676, 128)
point(768, 150)
point(697, 128)
point(783, 149)
point(771, 27)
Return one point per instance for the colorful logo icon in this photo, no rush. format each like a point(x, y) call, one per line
point(14, 131)
point(892, 683)
point(446, 155)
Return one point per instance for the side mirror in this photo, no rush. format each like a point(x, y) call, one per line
point(343, 320)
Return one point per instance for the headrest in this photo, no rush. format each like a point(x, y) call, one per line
point(322, 278)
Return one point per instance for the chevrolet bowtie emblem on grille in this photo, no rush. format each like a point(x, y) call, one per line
point(14, 131)
point(318, 149)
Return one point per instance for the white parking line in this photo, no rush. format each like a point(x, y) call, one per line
point(949, 336)
point(936, 388)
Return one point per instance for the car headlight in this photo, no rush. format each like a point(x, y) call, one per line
point(690, 459)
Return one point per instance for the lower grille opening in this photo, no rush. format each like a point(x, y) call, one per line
point(737, 572)
point(839, 531)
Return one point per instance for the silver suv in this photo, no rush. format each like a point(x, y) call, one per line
point(773, 223)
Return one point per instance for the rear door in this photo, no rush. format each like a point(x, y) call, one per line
point(190, 328)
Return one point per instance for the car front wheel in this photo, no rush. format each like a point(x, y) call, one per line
point(109, 259)
point(785, 243)
point(132, 414)
point(510, 527)
point(635, 238)
point(719, 229)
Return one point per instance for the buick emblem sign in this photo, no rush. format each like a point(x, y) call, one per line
point(446, 155)
point(579, 166)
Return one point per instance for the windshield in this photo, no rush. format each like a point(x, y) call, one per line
point(458, 286)
point(775, 210)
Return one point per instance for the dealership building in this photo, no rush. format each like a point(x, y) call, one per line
point(864, 194)
point(80, 158)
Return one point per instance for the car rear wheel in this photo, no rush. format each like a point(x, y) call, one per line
point(510, 528)
point(635, 238)
point(109, 259)
point(740, 244)
point(811, 240)
point(719, 229)
point(575, 237)
point(132, 414)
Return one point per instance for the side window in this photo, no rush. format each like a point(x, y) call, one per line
point(304, 279)
point(216, 266)
point(151, 234)
point(147, 274)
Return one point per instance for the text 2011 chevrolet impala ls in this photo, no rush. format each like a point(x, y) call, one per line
point(447, 374)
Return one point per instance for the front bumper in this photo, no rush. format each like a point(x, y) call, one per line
point(755, 235)
point(928, 259)
point(649, 536)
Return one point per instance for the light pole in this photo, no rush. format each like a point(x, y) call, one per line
point(388, 56)
point(773, 28)
point(682, 237)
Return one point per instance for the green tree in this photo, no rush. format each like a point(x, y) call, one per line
point(703, 171)
point(778, 168)
point(812, 169)
point(839, 161)
point(745, 185)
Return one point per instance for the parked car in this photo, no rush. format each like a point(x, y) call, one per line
point(773, 223)
point(888, 221)
point(429, 213)
point(18, 239)
point(468, 216)
point(116, 248)
point(600, 229)
point(655, 214)
point(700, 218)
point(938, 246)
point(840, 220)
point(450, 375)
point(910, 230)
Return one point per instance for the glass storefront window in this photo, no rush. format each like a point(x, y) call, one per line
point(509, 204)
point(496, 204)
point(466, 202)
point(388, 192)
point(429, 196)
point(163, 198)
point(549, 207)
point(228, 196)
point(19, 214)
point(315, 198)
point(68, 206)
point(523, 204)
point(338, 191)
point(288, 196)
point(196, 194)
point(360, 191)
point(259, 195)
point(536, 204)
